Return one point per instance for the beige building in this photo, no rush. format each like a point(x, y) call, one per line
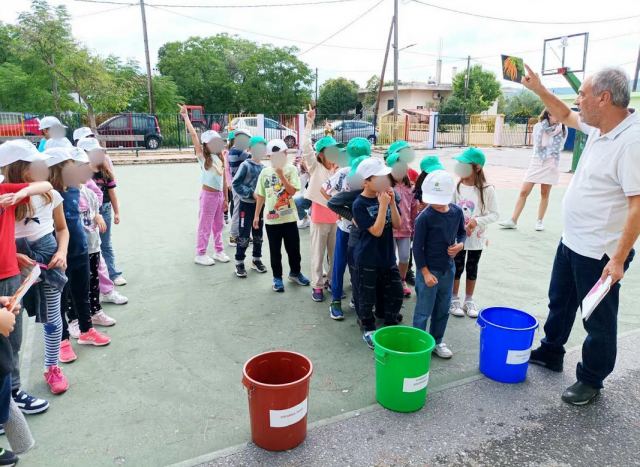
point(412, 96)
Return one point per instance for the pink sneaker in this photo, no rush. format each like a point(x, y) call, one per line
point(102, 319)
point(93, 337)
point(67, 355)
point(56, 380)
point(406, 291)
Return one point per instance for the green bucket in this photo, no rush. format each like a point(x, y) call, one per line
point(403, 357)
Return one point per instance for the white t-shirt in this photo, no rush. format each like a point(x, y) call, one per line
point(468, 199)
point(595, 205)
point(335, 184)
point(41, 222)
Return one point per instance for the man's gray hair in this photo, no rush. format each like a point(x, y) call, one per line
point(614, 80)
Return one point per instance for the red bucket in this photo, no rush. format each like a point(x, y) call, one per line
point(277, 385)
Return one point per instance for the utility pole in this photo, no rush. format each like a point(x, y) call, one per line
point(635, 79)
point(316, 86)
point(466, 76)
point(384, 67)
point(395, 61)
point(152, 107)
point(466, 88)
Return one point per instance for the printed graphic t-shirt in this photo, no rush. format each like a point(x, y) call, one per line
point(280, 207)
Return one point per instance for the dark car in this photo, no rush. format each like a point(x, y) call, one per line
point(129, 130)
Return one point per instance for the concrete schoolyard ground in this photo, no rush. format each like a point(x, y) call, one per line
point(167, 390)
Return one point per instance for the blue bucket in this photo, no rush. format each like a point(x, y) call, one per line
point(506, 337)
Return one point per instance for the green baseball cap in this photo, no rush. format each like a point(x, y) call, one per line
point(392, 159)
point(397, 146)
point(358, 147)
point(257, 140)
point(472, 156)
point(430, 164)
point(325, 142)
point(356, 162)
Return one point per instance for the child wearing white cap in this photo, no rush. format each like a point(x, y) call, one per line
point(274, 191)
point(439, 236)
point(213, 197)
point(36, 223)
point(51, 128)
point(376, 213)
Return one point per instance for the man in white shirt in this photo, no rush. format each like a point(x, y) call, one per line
point(601, 213)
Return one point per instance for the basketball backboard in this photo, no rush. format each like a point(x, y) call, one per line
point(565, 53)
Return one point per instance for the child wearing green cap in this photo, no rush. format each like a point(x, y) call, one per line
point(244, 184)
point(321, 163)
point(477, 199)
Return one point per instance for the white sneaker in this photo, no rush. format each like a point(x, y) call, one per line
point(114, 297)
point(508, 224)
point(221, 256)
point(443, 351)
point(304, 223)
point(539, 226)
point(471, 309)
point(204, 260)
point(120, 280)
point(74, 329)
point(456, 307)
point(102, 319)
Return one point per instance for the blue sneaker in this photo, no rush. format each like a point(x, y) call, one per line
point(317, 295)
point(28, 404)
point(367, 338)
point(278, 285)
point(299, 279)
point(335, 311)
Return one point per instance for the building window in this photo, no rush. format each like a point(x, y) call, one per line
point(390, 104)
point(420, 107)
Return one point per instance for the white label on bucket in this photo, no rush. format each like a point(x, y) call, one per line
point(286, 417)
point(415, 384)
point(517, 357)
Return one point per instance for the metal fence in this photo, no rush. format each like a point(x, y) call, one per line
point(141, 130)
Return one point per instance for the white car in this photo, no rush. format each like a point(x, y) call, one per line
point(272, 129)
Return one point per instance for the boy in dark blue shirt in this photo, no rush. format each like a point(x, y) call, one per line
point(439, 236)
point(376, 214)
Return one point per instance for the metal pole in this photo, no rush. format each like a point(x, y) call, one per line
point(152, 107)
point(635, 79)
point(316, 86)
point(466, 88)
point(395, 61)
point(384, 67)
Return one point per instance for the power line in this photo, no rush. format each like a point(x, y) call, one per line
point(226, 6)
point(107, 10)
point(106, 2)
point(515, 20)
point(350, 23)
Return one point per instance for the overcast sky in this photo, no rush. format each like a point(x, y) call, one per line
point(113, 29)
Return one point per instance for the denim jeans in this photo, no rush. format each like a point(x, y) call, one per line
point(433, 302)
point(339, 265)
point(106, 247)
point(8, 287)
point(572, 278)
point(303, 205)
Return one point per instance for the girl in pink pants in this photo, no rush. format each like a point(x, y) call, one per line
point(213, 197)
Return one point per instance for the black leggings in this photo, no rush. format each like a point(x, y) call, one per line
point(94, 283)
point(287, 232)
point(472, 259)
point(75, 297)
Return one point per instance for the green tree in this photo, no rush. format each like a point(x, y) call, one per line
point(371, 96)
point(337, 96)
point(229, 74)
point(482, 92)
point(165, 93)
point(523, 104)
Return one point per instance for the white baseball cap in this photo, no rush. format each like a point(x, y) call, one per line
point(58, 143)
point(241, 131)
point(48, 122)
point(89, 144)
point(438, 188)
point(78, 155)
point(82, 132)
point(209, 135)
point(19, 150)
point(57, 155)
point(372, 167)
point(276, 145)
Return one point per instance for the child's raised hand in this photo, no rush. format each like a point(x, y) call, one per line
point(384, 199)
point(183, 110)
point(392, 194)
point(311, 114)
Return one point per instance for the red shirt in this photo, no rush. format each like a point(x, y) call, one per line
point(8, 261)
